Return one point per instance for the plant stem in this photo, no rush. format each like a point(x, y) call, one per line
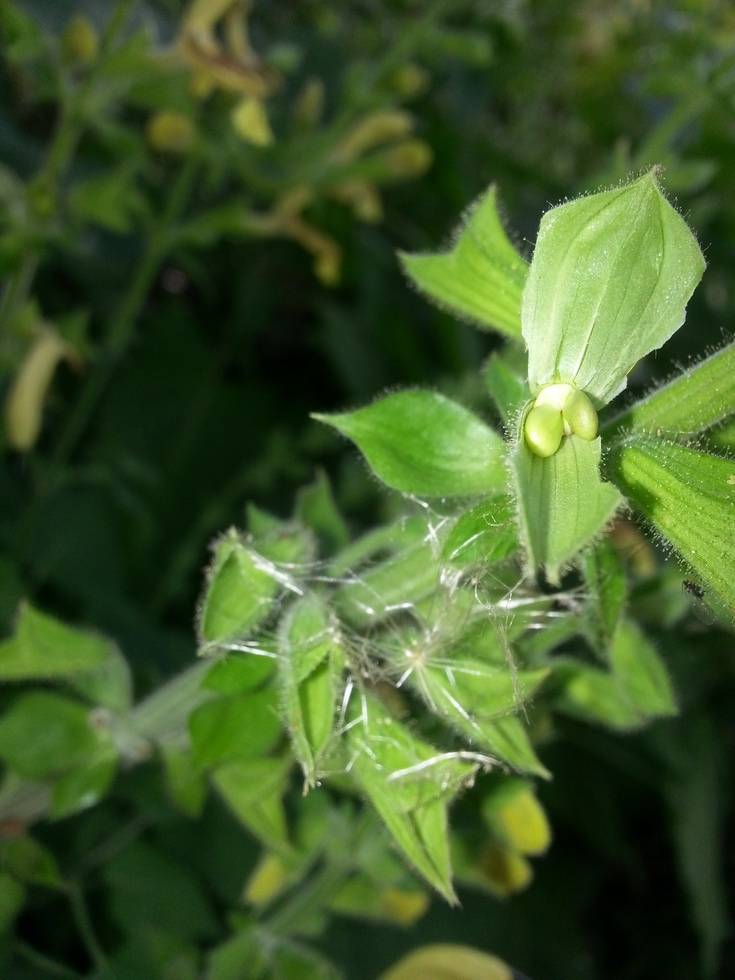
point(314, 895)
point(66, 136)
point(121, 327)
point(83, 923)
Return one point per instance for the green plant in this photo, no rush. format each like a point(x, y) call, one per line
point(351, 688)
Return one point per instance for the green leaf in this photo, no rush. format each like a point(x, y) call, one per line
point(641, 673)
point(30, 861)
point(83, 786)
point(410, 784)
point(696, 792)
point(507, 738)
point(689, 497)
point(240, 672)
point(110, 200)
point(486, 533)
point(635, 690)
point(43, 647)
point(693, 401)
point(562, 502)
point(110, 685)
point(232, 727)
point(604, 578)
point(316, 507)
point(240, 592)
point(44, 734)
point(253, 790)
point(481, 277)
point(609, 282)
point(508, 389)
point(398, 582)
point(310, 677)
point(185, 784)
point(423, 443)
point(12, 896)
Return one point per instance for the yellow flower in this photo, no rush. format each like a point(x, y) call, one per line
point(266, 881)
point(250, 121)
point(230, 64)
point(170, 132)
point(24, 404)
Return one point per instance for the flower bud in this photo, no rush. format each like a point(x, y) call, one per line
point(250, 122)
point(24, 404)
point(580, 415)
point(543, 430)
point(79, 41)
point(170, 132)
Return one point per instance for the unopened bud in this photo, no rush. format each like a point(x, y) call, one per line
point(24, 404)
point(250, 122)
point(170, 132)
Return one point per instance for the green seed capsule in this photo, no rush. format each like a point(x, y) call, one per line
point(543, 430)
point(580, 415)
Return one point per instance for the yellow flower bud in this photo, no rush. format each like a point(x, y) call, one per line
point(266, 880)
point(448, 961)
point(522, 823)
point(309, 105)
point(24, 404)
point(411, 158)
point(170, 132)
point(79, 41)
point(382, 126)
point(250, 122)
point(404, 907)
point(502, 870)
point(363, 198)
point(410, 80)
point(580, 415)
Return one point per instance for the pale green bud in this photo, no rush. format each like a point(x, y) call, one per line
point(543, 430)
point(580, 415)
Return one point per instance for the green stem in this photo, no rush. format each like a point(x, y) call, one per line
point(70, 126)
point(313, 897)
point(83, 922)
point(318, 891)
point(121, 327)
point(16, 291)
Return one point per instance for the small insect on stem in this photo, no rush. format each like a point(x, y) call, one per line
point(699, 607)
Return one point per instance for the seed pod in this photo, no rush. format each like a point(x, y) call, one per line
point(24, 404)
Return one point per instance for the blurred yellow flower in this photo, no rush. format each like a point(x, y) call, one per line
point(25, 400)
point(170, 132)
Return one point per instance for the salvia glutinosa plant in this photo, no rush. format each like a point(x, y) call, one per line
point(434, 652)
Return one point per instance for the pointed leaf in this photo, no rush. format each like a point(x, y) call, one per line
point(689, 497)
point(240, 592)
point(563, 504)
point(44, 647)
point(253, 789)
point(409, 783)
point(481, 277)
point(695, 400)
point(232, 727)
point(423, 443)
point(609, 282)
point(485, 533)
point(310, 678)
point(44, 734)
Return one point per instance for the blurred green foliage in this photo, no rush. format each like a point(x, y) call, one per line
point(206, 227)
